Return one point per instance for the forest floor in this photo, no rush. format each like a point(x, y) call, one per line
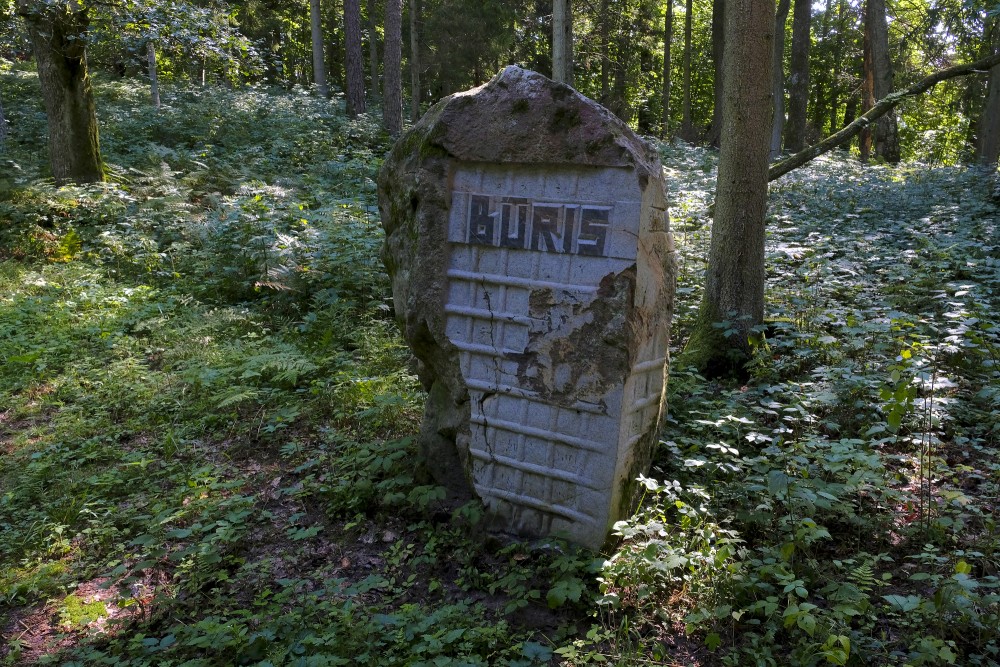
point(207, 420)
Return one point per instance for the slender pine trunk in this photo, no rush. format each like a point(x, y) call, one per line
point(821, 91)
point(778, 78)
point(838, 61)
point(374, 89)
point(718, 80)
point(355, 73)
point(392, 106)
point(668, 34)
point(568, 43)
point(687, 128)
point(414, 60)
point(798, 77)
point(319, 65)
point(605, 36)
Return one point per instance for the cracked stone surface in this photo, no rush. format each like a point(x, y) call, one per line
point(533, 276)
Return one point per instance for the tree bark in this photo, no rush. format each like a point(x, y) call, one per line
point(372, 51)
point(392, 105)
point(718, 80)
point(605, 36)
point(823, 83)
point(734, 281)
point(568, 44)
point(687, 129)
point(154, 85)
point(988, 139)
point(798, 76)
point(838, 59)
point(881, 108)
point(619, 87)
point(668, 34)
point(352, 61)
point(319, 66)
point(414, 60)
point(883, 137)
point(559, 40)
point(58, 37)
point(778, 78)
point(988, 129)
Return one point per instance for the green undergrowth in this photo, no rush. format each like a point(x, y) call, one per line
point(839, 507)
point(207, 414)
point(207, 422)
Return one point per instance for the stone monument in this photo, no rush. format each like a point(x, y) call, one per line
point(533, 276)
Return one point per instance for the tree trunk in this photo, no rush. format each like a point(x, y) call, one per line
point(605, 31)
point(668, 33)
point(778, 78)
point(352, 60)
point(734, 281)
point(414, 60)
point(559, 40)
point(319, 67)
point(838, 60)
point(988, 140)
point(798, 76)
point(988, 130)
point(883, 138)
point(823, 80)
point(58, 36)
point(568, 43)
point(392, 105)
point(687, 129)
point(372, 52)
point(619, 89)
point(865, 136)
point(718, 50)
point(154, 85)
point(880, 109)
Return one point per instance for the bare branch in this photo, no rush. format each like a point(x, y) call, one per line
point(882, 107)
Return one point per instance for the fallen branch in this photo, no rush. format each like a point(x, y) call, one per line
point(882, 107)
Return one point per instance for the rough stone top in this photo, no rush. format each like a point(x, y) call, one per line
point(521, 116)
